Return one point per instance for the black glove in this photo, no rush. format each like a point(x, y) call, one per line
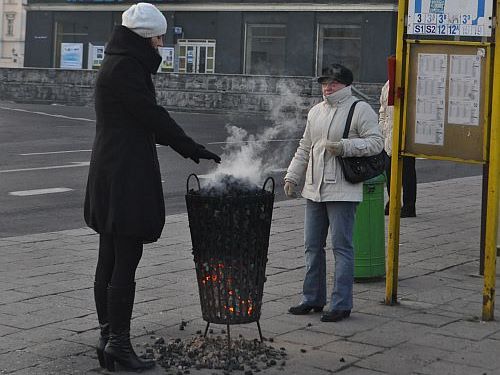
point(202, 153)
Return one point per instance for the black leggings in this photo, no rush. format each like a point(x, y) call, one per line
point(118, 259)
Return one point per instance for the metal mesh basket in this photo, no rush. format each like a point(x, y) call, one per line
point(230, 238)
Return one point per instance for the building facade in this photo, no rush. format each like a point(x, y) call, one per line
point(284, 38)
point(12, 28)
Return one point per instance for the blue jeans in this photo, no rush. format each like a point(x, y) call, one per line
point(339, 216)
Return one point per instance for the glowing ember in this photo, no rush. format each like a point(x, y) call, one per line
point(217, 277)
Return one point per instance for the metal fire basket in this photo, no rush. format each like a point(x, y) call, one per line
point(230, 238)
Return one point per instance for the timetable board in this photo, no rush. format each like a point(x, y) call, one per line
point(445, 113)
point(450, 17)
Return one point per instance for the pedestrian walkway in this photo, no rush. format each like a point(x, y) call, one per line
point(48, 323)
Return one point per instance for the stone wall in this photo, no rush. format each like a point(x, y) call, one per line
point(180, 92)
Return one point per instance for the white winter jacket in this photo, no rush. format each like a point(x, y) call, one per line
point(324, 180)
point(385, 118)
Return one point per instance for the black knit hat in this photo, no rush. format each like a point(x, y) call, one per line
point(338, 73)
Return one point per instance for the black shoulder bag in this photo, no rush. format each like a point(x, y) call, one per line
point(359, 169)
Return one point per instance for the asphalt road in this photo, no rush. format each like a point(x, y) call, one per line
point(45, 152)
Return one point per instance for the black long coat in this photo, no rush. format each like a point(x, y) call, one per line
point(124, 192)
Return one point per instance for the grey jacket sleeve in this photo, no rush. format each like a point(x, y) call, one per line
point(298, 165)
point(365, 137)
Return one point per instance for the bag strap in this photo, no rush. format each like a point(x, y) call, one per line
point(349, 119)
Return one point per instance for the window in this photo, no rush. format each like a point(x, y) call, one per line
point(10, 24)
point(339, 44)
point(265, 49)
point(68, 32)
point(196, 55)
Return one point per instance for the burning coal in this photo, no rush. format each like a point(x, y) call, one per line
point(226, 186)
point(231, 281)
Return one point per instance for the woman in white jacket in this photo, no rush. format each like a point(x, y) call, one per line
point(331, 200)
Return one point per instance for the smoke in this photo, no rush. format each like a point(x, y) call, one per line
point(254, 157)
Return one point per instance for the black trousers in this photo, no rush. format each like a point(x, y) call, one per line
point(118, 259)
point(409, 180)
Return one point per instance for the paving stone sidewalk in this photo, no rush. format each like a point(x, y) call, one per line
point(48, 323)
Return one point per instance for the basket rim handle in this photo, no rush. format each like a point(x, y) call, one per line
point(189, 178)
point(265, 183)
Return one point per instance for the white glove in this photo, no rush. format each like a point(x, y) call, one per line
point(290, 189)
point(336, 148)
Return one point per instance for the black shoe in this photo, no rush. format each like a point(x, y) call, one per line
point(303, 309)
point(119, 349)
point(386, 210)
point(408, 211)
point(335, 315)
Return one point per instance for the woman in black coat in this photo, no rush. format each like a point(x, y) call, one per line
point(124, 198)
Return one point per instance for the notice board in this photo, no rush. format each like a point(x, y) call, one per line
point(446, 110)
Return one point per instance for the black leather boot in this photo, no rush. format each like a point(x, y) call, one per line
point(119, 349)
point(335, 315)
point(100, 297)
point(303, 309)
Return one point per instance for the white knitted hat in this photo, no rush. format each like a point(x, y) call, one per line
point(145, 20)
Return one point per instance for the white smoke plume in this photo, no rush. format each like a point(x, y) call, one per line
point(254, 157)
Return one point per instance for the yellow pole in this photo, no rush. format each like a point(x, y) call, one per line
point(493, 189)
point(391, 280)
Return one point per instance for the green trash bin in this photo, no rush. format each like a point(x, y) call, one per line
point(369, 232)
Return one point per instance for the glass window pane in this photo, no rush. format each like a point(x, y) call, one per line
point(340, 44)
point(348, 31)
point(265, 49)
point(268, 31)
point(210, 52)
point(201, 59)
point(210, 65)
point(190, 59)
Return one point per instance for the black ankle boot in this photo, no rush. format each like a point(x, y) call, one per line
point(303, 309)
point(335, 315)
point(100, 297)
point(119, 349)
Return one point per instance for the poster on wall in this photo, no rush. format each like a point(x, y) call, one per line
point(96, 55)
point(71, 55)
point(464, 89)
point(167, 59)
point(430, 98)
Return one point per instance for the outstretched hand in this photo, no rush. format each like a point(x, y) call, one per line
point(202, 153)
point(205, 154)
